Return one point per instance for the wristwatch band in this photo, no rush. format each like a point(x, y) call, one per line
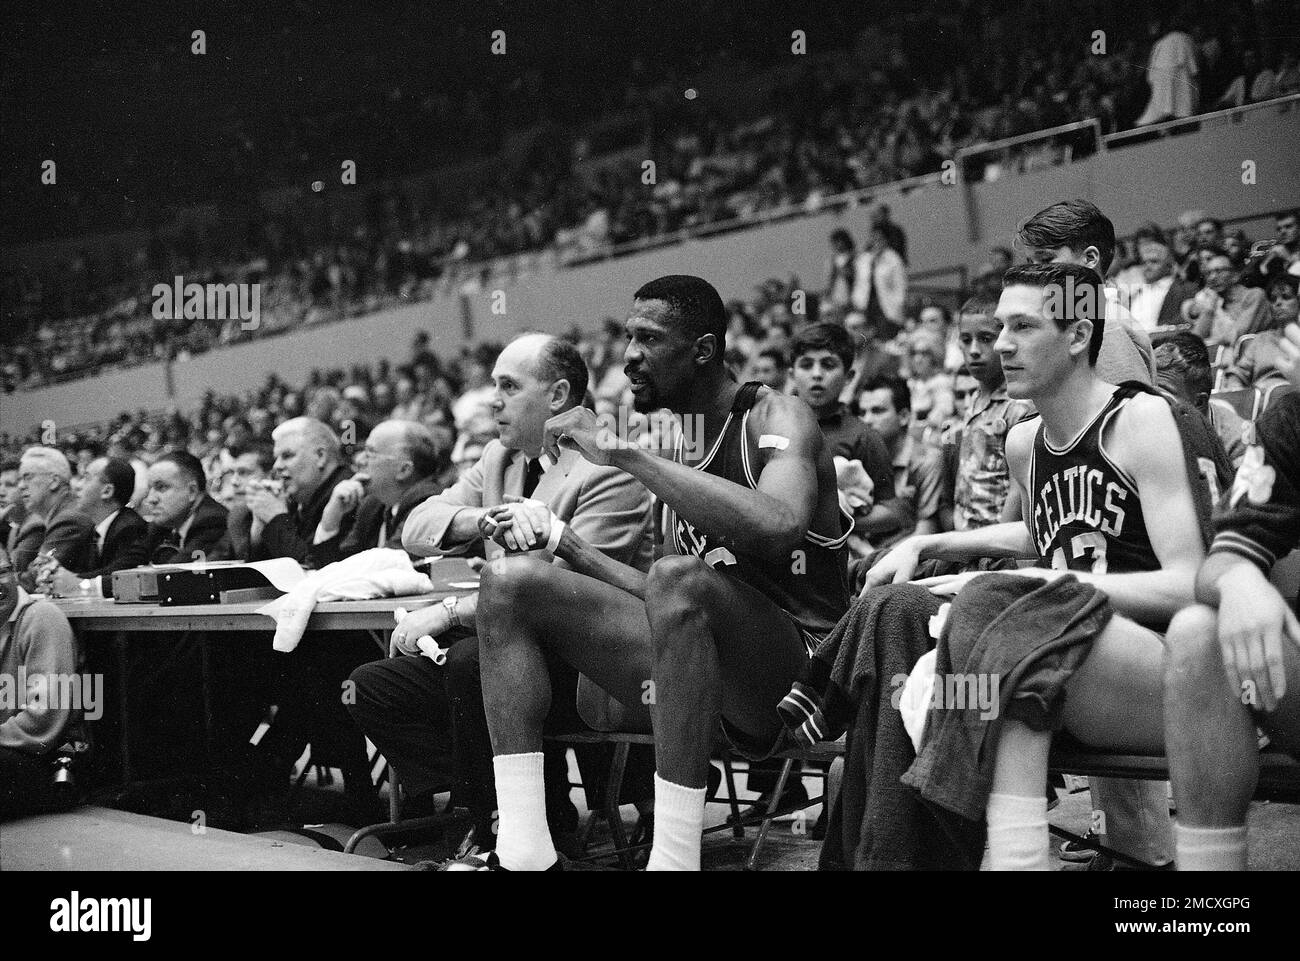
point(450, 603)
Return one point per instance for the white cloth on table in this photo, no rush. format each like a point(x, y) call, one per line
point(378, 572)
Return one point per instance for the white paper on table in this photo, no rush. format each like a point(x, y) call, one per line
point(284, 573)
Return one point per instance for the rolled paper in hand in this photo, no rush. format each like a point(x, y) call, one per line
point(429, 648)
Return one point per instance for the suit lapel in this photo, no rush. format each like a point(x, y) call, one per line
point(552, 481)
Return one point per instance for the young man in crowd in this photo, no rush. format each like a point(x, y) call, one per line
point(1076, 232)
point(918, 468)
point(1183, 369)
point(983, 481)
point(1138, 543)
point(822, 363)
point(121, 535)
point(1234, 658)
point(752, 574)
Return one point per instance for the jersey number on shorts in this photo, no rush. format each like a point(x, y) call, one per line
point(1079, 543)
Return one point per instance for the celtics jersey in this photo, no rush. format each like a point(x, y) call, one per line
point(811, 585)
point(1086, 514)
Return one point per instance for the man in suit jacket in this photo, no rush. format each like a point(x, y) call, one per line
point(287, 515)
point(121, 535)
point(185, 524)
point(20, 536)
point(1158, 300)
point(309, 465)
point(44, 480)
point(402, 462)
point(402, 703)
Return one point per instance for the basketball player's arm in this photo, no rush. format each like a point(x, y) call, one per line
point(1146, 443)
point(1007, 539)
point(768, 522)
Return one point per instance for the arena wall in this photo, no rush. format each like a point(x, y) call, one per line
point(947, 226)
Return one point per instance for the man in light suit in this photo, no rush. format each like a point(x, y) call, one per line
point(406, 704)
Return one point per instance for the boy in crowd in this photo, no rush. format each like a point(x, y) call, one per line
point(822, 363)
point(982, 479)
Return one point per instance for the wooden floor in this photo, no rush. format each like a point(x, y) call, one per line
point(101, 839)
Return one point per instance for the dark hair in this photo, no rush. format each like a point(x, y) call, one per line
point(8, 464)
point(1150, 232)
point(188, 465)
point(979, 304)
point(694, 304)
point(1183, 353)
point(264, 453)
point(121, 475)
point(559, 359)
point(897, 388)
point(1081, 284)
point(824, 336)
point(775, 355)
point(841, 236)
point(1076, 224)
point(1293, 212)
point(1290, 281)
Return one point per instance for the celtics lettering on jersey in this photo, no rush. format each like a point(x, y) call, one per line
point(1088, 507)
point(1086, 514)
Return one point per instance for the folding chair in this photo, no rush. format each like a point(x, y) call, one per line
point(611, 723)
point(1279, 780)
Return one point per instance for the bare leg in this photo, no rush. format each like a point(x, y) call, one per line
point(720, 648)
point(1113, 700)
point(525, 604)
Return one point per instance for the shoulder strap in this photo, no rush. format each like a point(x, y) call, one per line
point(746, 397)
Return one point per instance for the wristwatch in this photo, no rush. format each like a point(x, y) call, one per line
point(452, 615)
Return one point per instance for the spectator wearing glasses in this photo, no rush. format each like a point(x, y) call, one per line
point(44, 482)
point(402, 462)
point(1223, 310)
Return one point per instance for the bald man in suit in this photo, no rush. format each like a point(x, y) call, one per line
point(406, 705)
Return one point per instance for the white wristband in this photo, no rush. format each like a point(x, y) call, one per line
point(557, 531)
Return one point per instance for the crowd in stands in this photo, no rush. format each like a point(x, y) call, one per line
point(882, 110)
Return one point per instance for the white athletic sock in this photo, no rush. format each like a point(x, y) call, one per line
point(523, 837)
point(1210, 849)
point(679, 825)
point(1017, 833)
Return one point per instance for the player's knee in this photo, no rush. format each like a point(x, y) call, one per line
point(1194, 656)
point(676, 578)
point(507, 585)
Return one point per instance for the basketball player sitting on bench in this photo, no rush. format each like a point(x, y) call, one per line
point(1234, 659)
point(1139, 544)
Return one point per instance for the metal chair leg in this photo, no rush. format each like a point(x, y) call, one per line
point(737, 827)
point(752, 861)
point(613, 789)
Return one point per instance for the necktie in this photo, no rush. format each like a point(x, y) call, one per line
point(532, 474)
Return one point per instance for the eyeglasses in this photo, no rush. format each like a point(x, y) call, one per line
point(32, 475)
